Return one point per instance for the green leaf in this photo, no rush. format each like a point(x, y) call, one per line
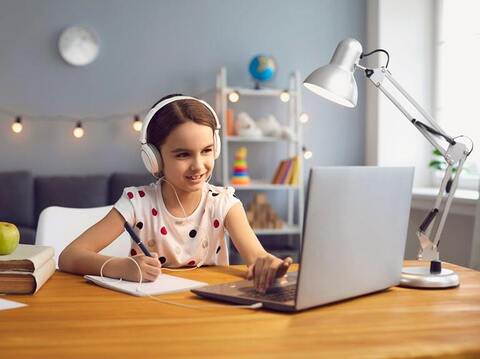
point(436, 164)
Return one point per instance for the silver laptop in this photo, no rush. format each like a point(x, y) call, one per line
point(354, 236)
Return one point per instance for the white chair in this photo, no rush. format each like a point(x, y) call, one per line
point(475, 252)
point(59, 226)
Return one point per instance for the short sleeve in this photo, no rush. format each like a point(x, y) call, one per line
point(124, 205)
point(225, 200)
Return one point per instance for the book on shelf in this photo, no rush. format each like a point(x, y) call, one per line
point(26, 270)
point(230, 123)
point(277, 172)
point(287, 171)
point(284, 176)
point(282, 172)
point(293, 179)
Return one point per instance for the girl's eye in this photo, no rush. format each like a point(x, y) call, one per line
point(207, 150)
point(182, 154)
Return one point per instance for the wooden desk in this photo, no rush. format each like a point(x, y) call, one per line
point(70, 318)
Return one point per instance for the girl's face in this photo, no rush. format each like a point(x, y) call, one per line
point(187, 156)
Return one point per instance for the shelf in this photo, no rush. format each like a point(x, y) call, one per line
point(256, 139)
point(272, 231)
point(261, 92)
point(291, 195)
point(264, 185)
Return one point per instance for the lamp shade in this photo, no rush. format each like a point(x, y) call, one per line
point(335, 81)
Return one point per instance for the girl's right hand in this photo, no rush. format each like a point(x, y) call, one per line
point(150, 266)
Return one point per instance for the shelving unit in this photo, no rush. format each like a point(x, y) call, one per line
point(293, 224)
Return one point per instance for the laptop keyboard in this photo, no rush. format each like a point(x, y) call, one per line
point(275, 294)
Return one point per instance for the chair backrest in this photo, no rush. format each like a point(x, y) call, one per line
point(475, 252)
point(59, 226)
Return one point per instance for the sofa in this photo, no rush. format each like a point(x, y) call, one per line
point(23, 196)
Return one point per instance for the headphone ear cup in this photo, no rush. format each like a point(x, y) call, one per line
point(217, 144)
point(152, 159)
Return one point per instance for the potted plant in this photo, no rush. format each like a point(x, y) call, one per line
point(469, 178)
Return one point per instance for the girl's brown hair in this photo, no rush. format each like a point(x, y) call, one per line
point(173, 115)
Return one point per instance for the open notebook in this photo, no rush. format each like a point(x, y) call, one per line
point(163, 284)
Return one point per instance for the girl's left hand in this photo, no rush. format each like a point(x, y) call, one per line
point(266, 269)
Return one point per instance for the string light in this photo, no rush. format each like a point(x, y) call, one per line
point(303, 118)
point(307, 154)
point(285, 96)
point(17, 126)
point(234, 96)
point(137, 123)
point(78, 131)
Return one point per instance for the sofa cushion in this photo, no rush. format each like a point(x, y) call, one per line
point(70, 191)
point(27, 235)
point(118, 181)
point(16, 198)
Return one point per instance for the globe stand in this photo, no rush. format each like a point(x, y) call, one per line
point(257, 85)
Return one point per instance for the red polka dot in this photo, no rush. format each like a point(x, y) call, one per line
point(141, 193)
point(154, 211)
point(130, 195)
point(163, 231)
point(191, 263)
point(216, 223)
point(133, 252)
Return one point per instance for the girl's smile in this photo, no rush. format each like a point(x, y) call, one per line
point(196, 178)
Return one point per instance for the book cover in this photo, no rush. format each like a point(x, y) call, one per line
point(18, 282)
point(295, 171)
point(26, 258)
point(284, 175)
point(230, 123)
point(281, 172)
point(277, 172)
point(289, 177)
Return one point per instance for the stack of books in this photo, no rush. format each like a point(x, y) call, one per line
point(26, 270)
point(287, 171)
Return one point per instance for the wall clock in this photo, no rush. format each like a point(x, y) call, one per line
point(78, 46)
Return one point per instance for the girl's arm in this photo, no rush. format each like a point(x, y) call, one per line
point(263, 267)
point(81, 256)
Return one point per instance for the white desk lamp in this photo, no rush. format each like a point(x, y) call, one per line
point(336, 83)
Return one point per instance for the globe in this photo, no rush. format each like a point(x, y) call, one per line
point(262, 68)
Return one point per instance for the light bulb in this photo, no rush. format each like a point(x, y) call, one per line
point(303, 118)
point(137, 124)
point(234, 96)
point(17, 126)
point(285, 96)
point(307, 154)
point(78, 131)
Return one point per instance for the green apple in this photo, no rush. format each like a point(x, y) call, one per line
point(9, 237)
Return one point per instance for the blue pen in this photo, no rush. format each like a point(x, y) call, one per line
point(136, 239)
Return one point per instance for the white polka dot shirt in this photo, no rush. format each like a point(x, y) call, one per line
point(198, 239)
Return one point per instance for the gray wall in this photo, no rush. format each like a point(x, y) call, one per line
point(151, 48)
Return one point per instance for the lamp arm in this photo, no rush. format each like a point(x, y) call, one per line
point(377, 76)
point(455, 153)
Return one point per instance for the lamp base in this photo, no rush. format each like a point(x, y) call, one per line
point(421, 277)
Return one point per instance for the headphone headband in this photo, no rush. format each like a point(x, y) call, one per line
point(156, 108)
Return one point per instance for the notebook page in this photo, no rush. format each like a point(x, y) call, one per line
point(163, 284)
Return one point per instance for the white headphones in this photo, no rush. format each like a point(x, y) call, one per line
point(151, 156)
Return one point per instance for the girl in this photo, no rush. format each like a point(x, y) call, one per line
point(181, 218)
